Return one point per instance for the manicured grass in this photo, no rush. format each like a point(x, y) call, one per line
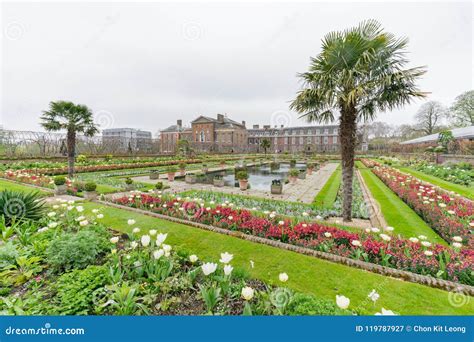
point(6, 185)
point(465, 191)
point(326, 197)
point(306, 274)
point(396, 212)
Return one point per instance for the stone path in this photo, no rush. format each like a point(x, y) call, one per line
point(304, 190)
point(60, 198)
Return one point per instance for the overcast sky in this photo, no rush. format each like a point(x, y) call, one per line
point(144, 65)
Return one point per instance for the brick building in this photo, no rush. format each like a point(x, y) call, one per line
point(295, 139)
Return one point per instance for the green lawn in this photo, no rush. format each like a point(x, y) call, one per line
point(465, 191)
point(396, 212)
point(6, 185)
point(326, 197)
point(307, 274)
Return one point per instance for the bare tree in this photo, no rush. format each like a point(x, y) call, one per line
point(429, 117)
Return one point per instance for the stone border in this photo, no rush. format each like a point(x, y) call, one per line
point(386, 271)
point(376, 218)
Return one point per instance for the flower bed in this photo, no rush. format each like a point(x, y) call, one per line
point(461, 173)
point(449, 215)
point(68, 263)
point(415, 255)
point(28, 177)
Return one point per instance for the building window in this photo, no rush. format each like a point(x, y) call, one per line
point(202, 137)
point(326, 131)
point(308, 140)
point(301, 140)
point(334, 139)
point(325, 140)
point(293, 140)
point(335, 130)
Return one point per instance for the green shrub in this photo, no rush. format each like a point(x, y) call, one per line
point(171, 169)
point(8, 254)
point(293, 172)
point(76, 290)
point(81, 158)
point(16, 205)
point(307, 305)
point(159, 186)
point(79, 185)
point(59, 180)
point(108, 157)
point(182, 166)
point(90, 186)
point(242, 175)
point(76, 250)
point(128, 181)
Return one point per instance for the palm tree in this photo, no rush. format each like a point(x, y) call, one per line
point(360, 71)
point(265, 144)
point(72, 118)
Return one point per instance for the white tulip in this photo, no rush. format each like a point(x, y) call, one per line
point(283, 277)
point(457, 244)
point(100, 216)
point(422, 237)
point(80, 209)
point(114, 239)
point(208, 268)
point(152, 232)
point(389, 229)
point(385, 313)
point(342, 301)
point(131, 222)
point(327, 234)
point(51, 214)
point(428, 253)
point(134, 244)
point(375, 230)
point(136, 230)
point(426, 243)
point(158, 254)
point(226, 258)
point(83, 223)
point(52, 224)
point(356, 243)
point(193, 258)
point(228, 269)
point(247, 293)
point(145, 240)
point(385, 237)
point(95, 211)
point(160, 238)
point(457, 238)
point(414, 240)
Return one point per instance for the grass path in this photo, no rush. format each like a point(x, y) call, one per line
point(7, 185)
point(307, 274)
point(465, 191)
point(396, 212)
point(326, 197)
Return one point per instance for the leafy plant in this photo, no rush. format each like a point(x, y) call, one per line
point(128, 181)
point(22, 270)
point(90, 186)
point(242, 175)
point(16, 205)
point(124, 300)
point(59, 180)
point(210, 295)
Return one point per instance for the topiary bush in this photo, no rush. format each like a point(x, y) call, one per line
point(90, 186)
point(59, 180)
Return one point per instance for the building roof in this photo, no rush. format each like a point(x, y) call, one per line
point(458, 133)
point(226, 124)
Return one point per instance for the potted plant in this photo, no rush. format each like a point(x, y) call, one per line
point(293, 175)
point(90, 191)
point(204, 168)
point(154, 174)
point(60, 185)
point(218, 181)
point(243, 178)
point(292, 162)
point(302, 174)
point(274, 165)
point(309, 168)
point(128, 184)
point(182, 169)
point(276, 187)
point(171, 173)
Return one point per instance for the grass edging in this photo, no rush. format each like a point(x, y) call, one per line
point(385, 271)
point(328, 194)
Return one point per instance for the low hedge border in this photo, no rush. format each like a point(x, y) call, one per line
point(386, 271)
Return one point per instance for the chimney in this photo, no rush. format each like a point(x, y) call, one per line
point(266, 126)
point(220, 118)
point(179, 123)
point(281, 126)
point(243, 123)
point(256, 126)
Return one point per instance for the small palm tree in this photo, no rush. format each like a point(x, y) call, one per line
point(265, 144)
point(64, 115)
point(360, 71)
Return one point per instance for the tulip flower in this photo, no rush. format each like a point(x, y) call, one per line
point(114, 239)
point(226, 258)
point(158, 254)
point(131, 222)
point(208, 268)
point(247, 293)
point(283, 277)
point(160, 238)
point(228, 269)
point(193, 258)
point(342, 302)
point(385, 313)
point(374, 296)
point(136, 230)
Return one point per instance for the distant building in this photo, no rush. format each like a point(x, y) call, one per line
point(295, 139)
point(459, 134)
point(127, 139)
point(207, 134)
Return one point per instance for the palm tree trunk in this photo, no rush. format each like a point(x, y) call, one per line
point(347, 136)
point(71, 152)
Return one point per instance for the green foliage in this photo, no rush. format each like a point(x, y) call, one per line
point(21, 271)
point(8, 254)
point(81, 158)
point(76, 250)
point(59, 180)
point(90, 186)
point(242, 175)
point(159, 185)
point(293, 173)
point(75, 290)
point(445, 137)
point(128, 181)
point(16, 205)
